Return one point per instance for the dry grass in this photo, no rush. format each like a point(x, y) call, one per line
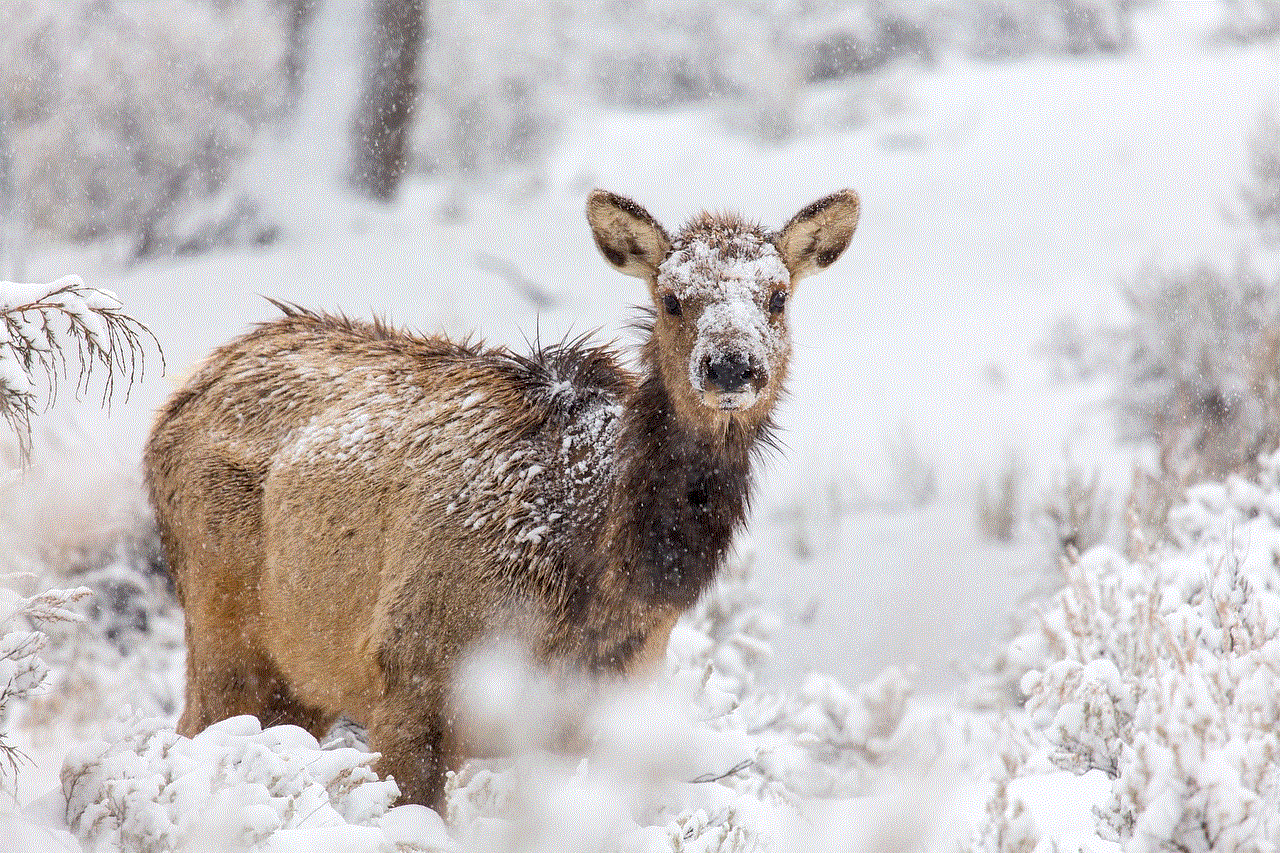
point(1076, 513)
point(998, 503)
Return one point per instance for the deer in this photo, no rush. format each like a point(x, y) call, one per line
point(346, 508)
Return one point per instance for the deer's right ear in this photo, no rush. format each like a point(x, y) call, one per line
point(628, 237)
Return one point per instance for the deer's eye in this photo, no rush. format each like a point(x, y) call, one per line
point(778, 302)
point(672, 305)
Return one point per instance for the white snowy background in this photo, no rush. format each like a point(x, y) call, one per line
point(964, 618)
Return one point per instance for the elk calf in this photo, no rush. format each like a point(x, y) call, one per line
point(348, 508)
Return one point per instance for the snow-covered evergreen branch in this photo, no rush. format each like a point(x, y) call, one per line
point(40, 324)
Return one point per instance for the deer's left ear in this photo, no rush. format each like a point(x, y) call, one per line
point(818, 234)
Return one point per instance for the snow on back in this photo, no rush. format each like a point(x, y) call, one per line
point(733, 276)
point(529, 492)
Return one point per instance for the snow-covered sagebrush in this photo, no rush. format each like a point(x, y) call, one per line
point(1261, 193)
point(235, 786)
point(122, 111)
point(129, 650)
point(711, 762)
point(501, 80)
point(1000, 29)
point(22, 670)
point(1246, 21)
point(1163, 672)
point(1196, 367)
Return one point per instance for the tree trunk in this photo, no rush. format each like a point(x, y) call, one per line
point(12, 234)
point(298, 15)
point(384, 114)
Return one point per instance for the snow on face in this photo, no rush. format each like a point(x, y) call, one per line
point(725, 284)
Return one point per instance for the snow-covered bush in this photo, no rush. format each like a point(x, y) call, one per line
point(497, 84)
point(837, 40)
point(22, 670)
point(42, 326)
point(1002, 29)
point(1163, 672)
point(48, 331)
point(703, 760)
point(1075, 514)
point(997, 506)
point(123, 110)
point(1262, 193)
point(1246, 21)
point(235, 786)
point(500, 80)
point(1198, 368)
point(128, 650)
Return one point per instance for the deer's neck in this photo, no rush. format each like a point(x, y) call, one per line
point(681, 494)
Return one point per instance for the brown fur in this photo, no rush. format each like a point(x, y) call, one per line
point(347, 508)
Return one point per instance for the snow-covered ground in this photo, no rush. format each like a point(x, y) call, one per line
point(997, 200)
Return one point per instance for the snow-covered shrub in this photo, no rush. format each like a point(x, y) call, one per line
point(1001, 29)
point(1008, 828)
point(58, 329)
point(122, 111)
point(235, 786)
point(497, 84)
point(129, 648)
point(42, 325)
point(997, 506)
point(1262, 193)
point(1247, 21)
point(500, 80)
point(1197, 368)
point(1075, 514)
point(837, 40)
point(705, 759)
point(22, 670)
point(1163, 673)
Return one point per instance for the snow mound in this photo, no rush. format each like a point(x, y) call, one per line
point(235, 786)
point(1163, 672)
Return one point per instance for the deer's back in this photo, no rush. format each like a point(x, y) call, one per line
point(328, 481)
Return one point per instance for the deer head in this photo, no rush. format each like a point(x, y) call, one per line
point(720, 291)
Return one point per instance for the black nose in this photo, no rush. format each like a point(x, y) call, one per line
point(728, 373)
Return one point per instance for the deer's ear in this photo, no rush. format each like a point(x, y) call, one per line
point(628, 237)
point(818, 234)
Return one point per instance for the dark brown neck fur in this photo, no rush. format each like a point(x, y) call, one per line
point(681, 494)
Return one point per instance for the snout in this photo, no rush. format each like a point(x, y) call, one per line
point(728, 373)
point(732, 380)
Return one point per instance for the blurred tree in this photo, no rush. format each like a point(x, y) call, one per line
point(384, 114)
point(6, 193)
point(121, 115)
point(297, 21)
